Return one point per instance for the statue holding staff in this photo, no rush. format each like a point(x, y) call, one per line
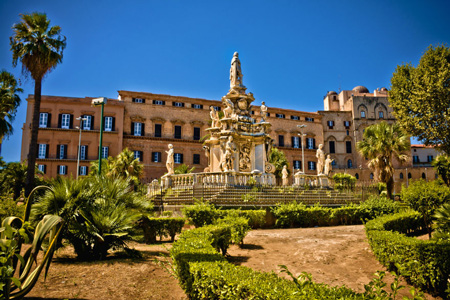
point(170, 161)
point(320, 160)
point(328, 165)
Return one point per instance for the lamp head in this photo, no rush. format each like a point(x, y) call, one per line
point(98, 101)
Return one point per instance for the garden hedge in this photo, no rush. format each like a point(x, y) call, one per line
point(161, 227)
point(205, 274)
point(425, 263)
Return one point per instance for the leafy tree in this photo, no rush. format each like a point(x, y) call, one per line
point(39, 48)
point(12, 178)
point(9, 101)
point(442, 166)
point(420, 97)
point(344, 181)
point(279, 160)
point(426, 197)
point(380, 145)
point(183, 169)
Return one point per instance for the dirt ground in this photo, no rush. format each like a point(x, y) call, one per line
point(333, 255)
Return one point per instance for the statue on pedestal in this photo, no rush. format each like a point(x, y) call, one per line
point(263, 111)
point(215, 121)
point(230, 149)
point(235, 72)
point(320, 160)
point(328, 166)
point(285, 175)
point(228, 111)
point(170, 161)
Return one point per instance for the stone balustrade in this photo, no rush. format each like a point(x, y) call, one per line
point(301, 179)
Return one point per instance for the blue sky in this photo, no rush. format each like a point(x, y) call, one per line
point(292, 52)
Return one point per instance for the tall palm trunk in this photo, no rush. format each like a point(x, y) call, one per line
point(33, 149)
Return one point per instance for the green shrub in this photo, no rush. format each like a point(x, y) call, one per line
point(442, 222)
point(344, 181)
point(377, 206)
point(425, 263)
point(9, 207)
point(239, 228)
point(161, 227)
point(201, 213)
point(256, 218)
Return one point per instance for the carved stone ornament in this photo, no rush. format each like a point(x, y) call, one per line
point(245, 163)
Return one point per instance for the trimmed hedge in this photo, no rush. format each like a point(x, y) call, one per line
point(205, 274)
point(300, 215)
point(425, 263)
point(239, 228)
point(161, 227)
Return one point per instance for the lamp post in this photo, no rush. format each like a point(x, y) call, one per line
point(96, 102)
point(301, 127)
point(79, 144)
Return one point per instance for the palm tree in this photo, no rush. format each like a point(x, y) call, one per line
point(39, 48)
point(124, 165)
point(9, 101)
point(381, 144)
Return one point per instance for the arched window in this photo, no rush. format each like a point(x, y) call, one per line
point(371, 176)
point(401, 176)
point(363, 114)
point(349, 164)
point(424, 176)
point(356, 176)
point(409, 176)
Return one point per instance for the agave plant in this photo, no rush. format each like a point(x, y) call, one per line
point(16, 231)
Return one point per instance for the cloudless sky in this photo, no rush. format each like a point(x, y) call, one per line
point(292, 52)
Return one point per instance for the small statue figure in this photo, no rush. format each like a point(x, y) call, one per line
point(320, 160)
point(284, 175)
point(170, 161)
point(215, 122)
point(235, 72)
point(328, 165)
point(263, 111)
point(230, 148)
point(229, 109)
point(268, 148)
point(206, 148)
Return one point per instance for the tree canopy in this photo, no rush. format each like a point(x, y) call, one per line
point(279, 160)
point(420, 97)
point(9, 101)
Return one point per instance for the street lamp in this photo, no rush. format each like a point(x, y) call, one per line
point(96, 102)
point(301, 127)
point(79, 143)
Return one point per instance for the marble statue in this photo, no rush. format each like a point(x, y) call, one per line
point(230, 149)
point(215, 122)
point(328, 165)
point(285, 175)
point(235, 72)
point(320, 160)
point(268, 148)
point(229, 109)
point(170, 161)
point(206, 148)
point(263, 111)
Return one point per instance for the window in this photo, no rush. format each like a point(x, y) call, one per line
point(311, 165)
point(138, 100)
point(280, 116)
point(349, 164)
point(105, 152)
point(281, 140)
point(61, 151)
point(416, 159)
point(401, 176)
point(196, 133)
point(409, 176)
point(138, 155)
point(178, 158)
point(430, 158)
point(158, 130)
point(42, 168)
point(424, 176)
point(252, 112)
point(371, 176)
point(309, 119)
point(109, 124)
point(347, 124)
point(196, 159)
point(330, 124)
point(216, 108)
point(348, 132)
point(62, 170)
point(333, 163)
point(295, 142)
point(348, 146)
point(357, 176)
point(178, 104)
point(83, 152)
point(138, 128)
point(297, 164)
point(83, 171)
point(380, 115)
point(295, 118)
point(310, 143)
point(332, 147)
point(66, 121)
point(197, 106)
point(156, 156)
point(88, 124)
point(363, 114)
point(44, 120)
point(177, 133)
point(159, 102)
point(42, 151)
